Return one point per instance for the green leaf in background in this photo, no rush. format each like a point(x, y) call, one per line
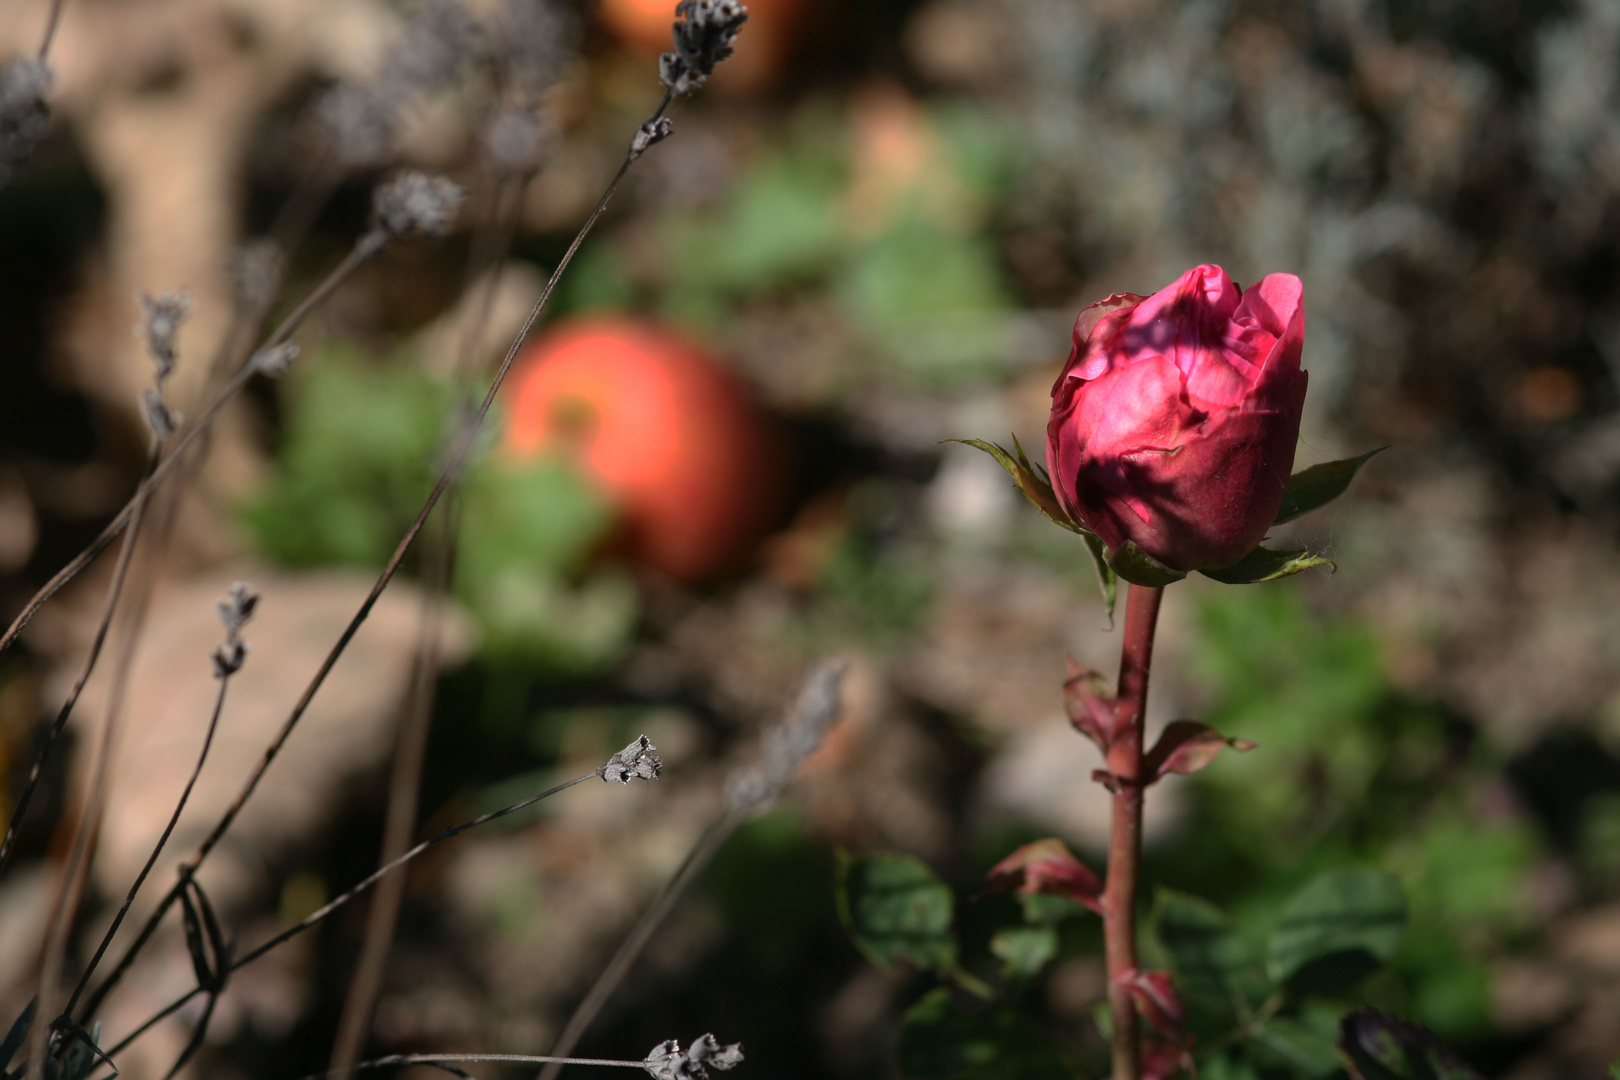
point(1341, 926)
point(1263, 564)
point(1377, 1046)
point(539, 515)
point(356, 461)
point(896, 909)
point(934, 300)
point(777, 227)
point(939, 1043)
point(780, 226)
point(1205, 953)
point(1304, 1045)
point(1319, 485)
point(1024, 950)
point(1227, 1066)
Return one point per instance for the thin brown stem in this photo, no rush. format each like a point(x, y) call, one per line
point(514, 1059)
point(490, 242)
point(120, 573)
point(157, 849)
point(630, 951)
point(76, 870)
point(404, 796)
point(339, 902)
point(1125, 833)
point(367, 246)
point(461, 448)
point(52, 21)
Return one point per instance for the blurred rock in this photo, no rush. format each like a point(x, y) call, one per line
point(347, 731)
point(960, 42)
point(1042, 776)
point(476, 333)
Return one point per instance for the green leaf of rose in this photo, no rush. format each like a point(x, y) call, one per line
point(1319, 485)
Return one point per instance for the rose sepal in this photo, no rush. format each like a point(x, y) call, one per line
point(1029, 479)
point(1319, 485)
point(1139, 568)
point(1263, 564)
point(1032, 480)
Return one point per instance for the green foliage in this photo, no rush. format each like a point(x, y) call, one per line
point(911, 278)
point(1139, 568)
point(1024, 950)
point(874, 594)
point(896, 910)
point(356, 462)
point(940, 1042)
point(526, 528)
point(932, 299)
point(1350, 773)
point(1320, 484)
point(1341, 849)
point(360, 452)
point(1267, 1010)
point(1299, 1045)
point(1210, 961)
point(1263, 564)
point(1342, 925)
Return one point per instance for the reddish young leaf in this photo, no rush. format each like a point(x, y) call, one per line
point(1046, 866)
point(1090, 707)
point(1185, 747)
point(1164, 1057)
point(1156, 999)
point(1166, 1046)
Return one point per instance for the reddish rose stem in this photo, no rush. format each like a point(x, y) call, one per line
point(1125, 837)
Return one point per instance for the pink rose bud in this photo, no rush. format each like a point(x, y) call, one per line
point(1174, 421)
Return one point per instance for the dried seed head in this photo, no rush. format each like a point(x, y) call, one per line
point(707, 1051)
point(163, 420)
point(234, 612)
point(361, 123)
point(275, 361)
point(256, 273)
point(228, 658)
point(417, 204)
point(237, 607)
point(24, 112)
point(668, 1062)
point(636, 761)
point(160, 327)
point(650, 134)
point(438, 38)
point(791, 741)
point(514, 141)
point(704, 32)
point(537, 37)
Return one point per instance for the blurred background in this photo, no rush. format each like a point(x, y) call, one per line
point(720, 460)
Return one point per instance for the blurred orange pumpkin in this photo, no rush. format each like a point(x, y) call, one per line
point(670, 437)
point(763, 46)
